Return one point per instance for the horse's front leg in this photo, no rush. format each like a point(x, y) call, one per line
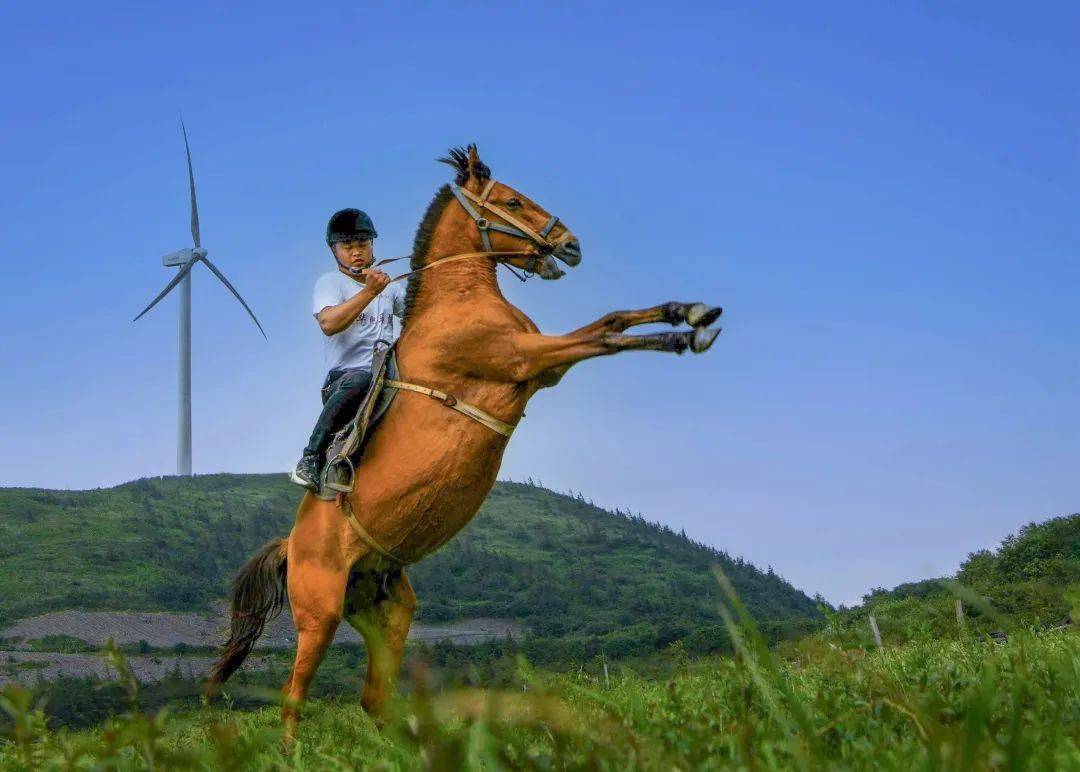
point(546, 358)
point(673, 313)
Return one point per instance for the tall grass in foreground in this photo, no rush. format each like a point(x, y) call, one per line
point(967, 704)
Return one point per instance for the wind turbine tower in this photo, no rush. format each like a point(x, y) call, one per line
point(184, 260)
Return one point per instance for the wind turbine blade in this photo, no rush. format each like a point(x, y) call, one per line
point(184, 271)
point(191, 186)
point(236, 294)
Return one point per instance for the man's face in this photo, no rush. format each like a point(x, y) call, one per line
point(354, 255)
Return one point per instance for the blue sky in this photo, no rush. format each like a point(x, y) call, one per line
point(883, 196)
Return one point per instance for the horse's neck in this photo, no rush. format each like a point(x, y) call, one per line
point(465, 284)
point(462, 280)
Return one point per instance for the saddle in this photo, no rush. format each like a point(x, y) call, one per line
point(345, 448)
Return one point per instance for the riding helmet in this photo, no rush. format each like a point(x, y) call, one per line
point(349, 225)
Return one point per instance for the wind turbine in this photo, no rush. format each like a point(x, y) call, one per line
point(185, 260)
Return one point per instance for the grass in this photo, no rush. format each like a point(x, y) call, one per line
point(966, 704)
point(939, 695)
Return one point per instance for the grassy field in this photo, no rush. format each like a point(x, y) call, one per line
point(964, 704)
point(620, 670)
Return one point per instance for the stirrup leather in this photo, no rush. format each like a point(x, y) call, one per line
point(346, 509)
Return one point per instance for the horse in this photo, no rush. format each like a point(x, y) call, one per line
point(425, 469)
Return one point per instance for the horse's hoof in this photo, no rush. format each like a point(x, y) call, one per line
point(701, 315)
point(703, 338)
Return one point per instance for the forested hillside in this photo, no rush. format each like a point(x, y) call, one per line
point(556, 563)
point(1031, 580)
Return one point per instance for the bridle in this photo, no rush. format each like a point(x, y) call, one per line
point(511, 226)
point(515, 226)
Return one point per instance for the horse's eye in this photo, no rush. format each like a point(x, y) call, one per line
point(513, 203)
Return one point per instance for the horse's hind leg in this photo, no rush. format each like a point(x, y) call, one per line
point(380, 608)
point(316, 594)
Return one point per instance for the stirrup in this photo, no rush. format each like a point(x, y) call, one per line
point(339, 474)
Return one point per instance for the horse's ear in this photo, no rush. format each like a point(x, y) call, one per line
point(479, 173)
point(471, 171)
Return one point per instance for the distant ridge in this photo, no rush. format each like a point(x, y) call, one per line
point(554, 563)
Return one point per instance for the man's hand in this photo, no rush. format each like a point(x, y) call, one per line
point(375, 281)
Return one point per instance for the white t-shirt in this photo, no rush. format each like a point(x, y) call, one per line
point(353, 346)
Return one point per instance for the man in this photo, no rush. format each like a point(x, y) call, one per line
point(354, 306)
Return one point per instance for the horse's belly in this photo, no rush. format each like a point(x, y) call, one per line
point(424, 476)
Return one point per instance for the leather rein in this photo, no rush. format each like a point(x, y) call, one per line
point(511, 226)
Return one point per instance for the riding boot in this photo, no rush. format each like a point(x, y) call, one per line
point(306, 473)
point(342, 393)
point(309, 467)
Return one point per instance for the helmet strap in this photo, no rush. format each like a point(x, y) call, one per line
point(348, 269)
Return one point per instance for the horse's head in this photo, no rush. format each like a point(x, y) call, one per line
point(510, 221)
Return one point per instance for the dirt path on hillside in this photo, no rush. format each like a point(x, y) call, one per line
point(165, 630)
point(30, 667)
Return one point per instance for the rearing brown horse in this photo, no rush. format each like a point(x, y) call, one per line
point(426, 469)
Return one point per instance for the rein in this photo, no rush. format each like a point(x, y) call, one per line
point(511, 227)
point(498, 257)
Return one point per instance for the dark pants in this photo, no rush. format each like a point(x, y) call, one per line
point(342, 393)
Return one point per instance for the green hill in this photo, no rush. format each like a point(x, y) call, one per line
point(1031, 580)
point(555, 563)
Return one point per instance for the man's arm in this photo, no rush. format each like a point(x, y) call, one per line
point(334, 319)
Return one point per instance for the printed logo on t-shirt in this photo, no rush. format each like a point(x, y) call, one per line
point(383, 318)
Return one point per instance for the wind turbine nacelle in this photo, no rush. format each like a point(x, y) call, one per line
point(182, 256)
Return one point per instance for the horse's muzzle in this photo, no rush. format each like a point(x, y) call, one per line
point(569, 252)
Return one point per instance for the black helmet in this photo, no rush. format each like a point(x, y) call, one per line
point(349, 225)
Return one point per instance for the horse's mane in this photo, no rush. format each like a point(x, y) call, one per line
point(458, 158)
point(421, 244)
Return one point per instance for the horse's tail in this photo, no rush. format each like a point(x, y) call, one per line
point(258, 594)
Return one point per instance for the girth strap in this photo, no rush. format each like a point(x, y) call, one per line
point(451, 401)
